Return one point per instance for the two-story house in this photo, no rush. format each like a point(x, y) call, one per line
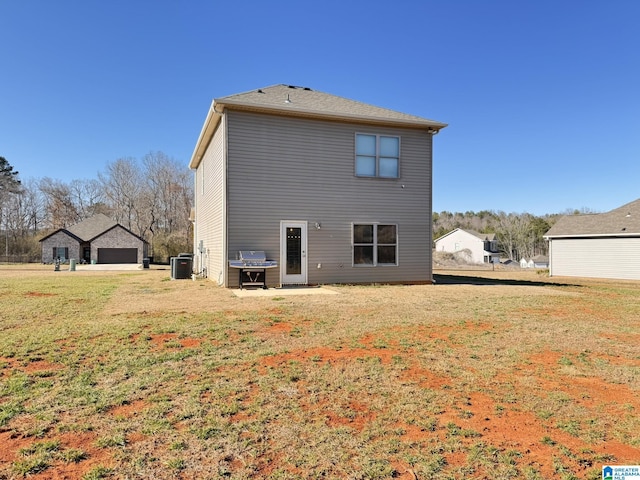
point(480, 247)
point(333, 190)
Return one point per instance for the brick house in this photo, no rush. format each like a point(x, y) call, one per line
point(95, 240)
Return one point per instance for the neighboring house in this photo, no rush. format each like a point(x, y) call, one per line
point(605, 245)
point(540, 261)
point(483, 247)
point(95, 240)
point(333, 190)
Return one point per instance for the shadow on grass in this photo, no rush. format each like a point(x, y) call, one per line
point(440, 279)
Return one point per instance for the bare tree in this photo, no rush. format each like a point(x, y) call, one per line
point(153, 200)
point(88, 197)
point(21, 216)
point(61, 208)
point(123, 187)
point(170, 188)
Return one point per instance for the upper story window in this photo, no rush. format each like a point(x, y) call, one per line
point(377, 156)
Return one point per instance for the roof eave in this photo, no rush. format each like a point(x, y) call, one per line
point(591, 235)
point(210, 124)
point(302, 112)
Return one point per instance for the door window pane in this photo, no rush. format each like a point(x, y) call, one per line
point(294, 251)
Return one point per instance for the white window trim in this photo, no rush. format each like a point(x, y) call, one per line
point(375, 246)
point(377, 156)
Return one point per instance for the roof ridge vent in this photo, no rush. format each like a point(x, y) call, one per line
point(297, 87)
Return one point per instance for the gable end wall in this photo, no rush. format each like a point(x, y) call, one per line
point(282, 168)
point(60, 239)
point(117, 237)
point(462, 240)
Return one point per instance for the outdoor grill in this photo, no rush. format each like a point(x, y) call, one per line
point(252, 266)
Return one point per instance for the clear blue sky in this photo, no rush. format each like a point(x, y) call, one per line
point(542, 97)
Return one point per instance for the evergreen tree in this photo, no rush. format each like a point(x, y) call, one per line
point(8, 178)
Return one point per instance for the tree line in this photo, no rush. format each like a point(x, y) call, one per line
point(152, 197)
point(519, 235)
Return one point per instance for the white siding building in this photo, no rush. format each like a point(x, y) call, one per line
point(605, 245)
point(480, 247)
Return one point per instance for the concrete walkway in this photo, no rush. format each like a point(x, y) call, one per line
point(282, 291)
point(87, 267)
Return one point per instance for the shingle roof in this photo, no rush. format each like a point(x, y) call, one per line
point(304, 102)
point(622, 221)
point(482, 236)
point(92, 227)
point(291, 99)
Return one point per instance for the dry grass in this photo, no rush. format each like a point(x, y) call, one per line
point(484, 375)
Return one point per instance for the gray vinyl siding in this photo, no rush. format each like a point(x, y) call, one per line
point(210, 206)
point(616, 258)
point(282, 168)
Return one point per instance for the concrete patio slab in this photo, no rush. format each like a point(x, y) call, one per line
point(282, 291)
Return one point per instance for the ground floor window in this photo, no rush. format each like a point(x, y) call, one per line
point(61, 252)
point(375, 244)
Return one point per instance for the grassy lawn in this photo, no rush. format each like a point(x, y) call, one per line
point(483, 375)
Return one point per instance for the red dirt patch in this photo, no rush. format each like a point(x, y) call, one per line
point(58, 470)
point(480, 417)
point(280, 327)
point(587, 390)
point(32, 367)
point(42, 366)
point(325, 354)
point(129, 410)
point(361, 416)
point(160, 341)
point(39, 294)
point(190, 342)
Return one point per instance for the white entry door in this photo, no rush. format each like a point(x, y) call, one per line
point(293, 253)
